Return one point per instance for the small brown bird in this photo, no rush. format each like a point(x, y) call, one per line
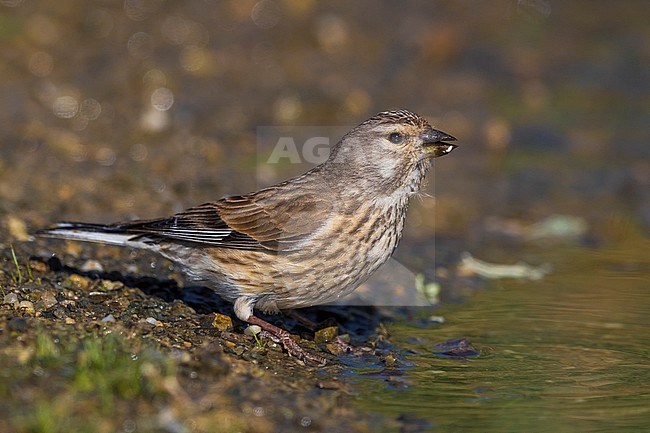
point(306, 241)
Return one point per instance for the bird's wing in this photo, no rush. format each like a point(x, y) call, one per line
point(200, 225)
point(275, 220)
point(247, 222)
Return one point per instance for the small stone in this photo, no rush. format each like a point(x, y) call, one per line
point(460, 348)
point(326, 335)
point(252, 330)
point(108, 319)
point(68, 303)
point(12, 298)
point(221, 322)
point(26, 307)
point(109, 285)
point(390, 360)
point(98, 297)
point(75, 281)
point(153, 321)
point(335, 349)
point(70, 321)
point(59, 312)
point(48, 299)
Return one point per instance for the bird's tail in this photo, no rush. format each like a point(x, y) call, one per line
point(105, 234)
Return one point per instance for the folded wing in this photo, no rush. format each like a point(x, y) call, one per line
point(250, 222)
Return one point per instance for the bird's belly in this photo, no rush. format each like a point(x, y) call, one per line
point(337, 268)
point(322, 270)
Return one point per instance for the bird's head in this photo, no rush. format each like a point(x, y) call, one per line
point(391, 148)
point(404, 131)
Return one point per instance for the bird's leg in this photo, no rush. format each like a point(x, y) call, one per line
point(285, 339)
point(244, 310)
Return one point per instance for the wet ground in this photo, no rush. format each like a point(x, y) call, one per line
point(137, 109)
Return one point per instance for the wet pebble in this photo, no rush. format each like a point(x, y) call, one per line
point(390, 360)
point(460, 348)
point(153, 321)
point(252, 330)
point(326, 335)
point(26, 307)
point(221, 322)
point(335, 349)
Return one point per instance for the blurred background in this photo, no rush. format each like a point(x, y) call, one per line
point(139, 108)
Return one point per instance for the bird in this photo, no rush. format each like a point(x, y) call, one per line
point(306, 241)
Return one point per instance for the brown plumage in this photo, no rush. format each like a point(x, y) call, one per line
point(305, 241)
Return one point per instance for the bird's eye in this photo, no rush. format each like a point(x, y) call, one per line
point(396, 138)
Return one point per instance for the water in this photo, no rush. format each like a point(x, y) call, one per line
point(569, 353)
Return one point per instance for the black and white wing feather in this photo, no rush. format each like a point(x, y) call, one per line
point(239, 222)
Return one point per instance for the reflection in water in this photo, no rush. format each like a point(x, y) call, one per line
point(568, 353)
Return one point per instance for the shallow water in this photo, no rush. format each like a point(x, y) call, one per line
point(568, 353)
point(138, 109)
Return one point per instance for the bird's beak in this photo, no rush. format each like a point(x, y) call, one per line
point(433, 142)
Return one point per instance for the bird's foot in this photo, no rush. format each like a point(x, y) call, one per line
point(285, 338)
point(338, 345)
